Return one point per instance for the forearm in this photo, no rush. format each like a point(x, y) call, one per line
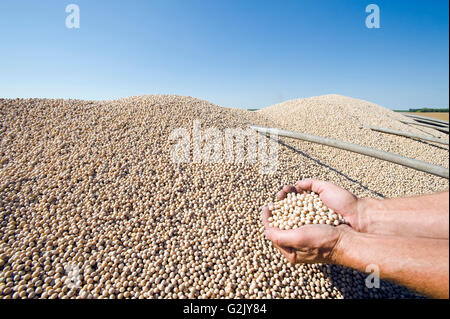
point(421, 216)
point(421, 264)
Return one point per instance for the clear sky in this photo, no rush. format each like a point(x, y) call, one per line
point(236, 53)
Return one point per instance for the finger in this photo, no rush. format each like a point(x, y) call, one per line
point(265, 214)
point(289, 188)
point(281, 195)
point(283, 238)
point(309, 184)
point(286, 189)
point(287, 252)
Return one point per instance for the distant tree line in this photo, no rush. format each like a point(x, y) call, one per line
point(425, 110)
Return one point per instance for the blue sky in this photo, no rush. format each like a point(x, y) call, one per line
point(243, 53)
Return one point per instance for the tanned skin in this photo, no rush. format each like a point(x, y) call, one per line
point(407, 238)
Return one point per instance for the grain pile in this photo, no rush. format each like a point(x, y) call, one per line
point(343, 118)
point(92, 206)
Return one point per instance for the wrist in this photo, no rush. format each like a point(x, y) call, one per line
point(363, 208)
point(343, 244)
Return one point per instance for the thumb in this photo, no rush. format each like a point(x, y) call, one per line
point(283, 238)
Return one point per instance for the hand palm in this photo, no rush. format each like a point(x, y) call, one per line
point(306, 244)
point(333, 196)
point(313, 243)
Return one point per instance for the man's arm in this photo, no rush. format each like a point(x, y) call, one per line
point(420, 216)
point(421, 264)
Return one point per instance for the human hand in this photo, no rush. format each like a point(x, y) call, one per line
point(306, 244)
point(333, 196)
point(314, 243)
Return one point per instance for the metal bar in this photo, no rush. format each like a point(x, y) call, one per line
point(407, 134)
point(429, 122)
point(386, 156)
point(427, 119)
point(442, 129)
